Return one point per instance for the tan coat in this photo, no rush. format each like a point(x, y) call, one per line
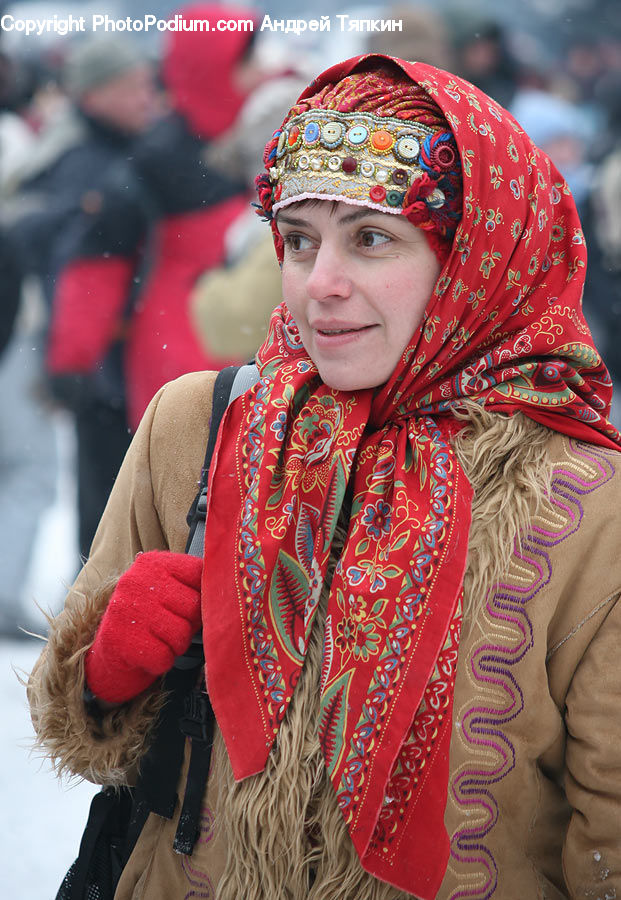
point(231, 306)
point(534, 800)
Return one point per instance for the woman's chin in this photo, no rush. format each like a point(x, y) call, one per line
point(349, 379)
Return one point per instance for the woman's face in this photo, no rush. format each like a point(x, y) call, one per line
point(356, 281)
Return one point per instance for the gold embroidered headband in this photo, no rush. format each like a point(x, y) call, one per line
point(357, 157)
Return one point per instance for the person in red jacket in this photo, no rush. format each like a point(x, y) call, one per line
point(154, 225)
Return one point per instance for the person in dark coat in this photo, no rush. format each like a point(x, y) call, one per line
point(160, 222)
point(112, 100)
point(154, 223)
point(10, 285)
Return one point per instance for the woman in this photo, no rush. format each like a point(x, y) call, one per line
point(428, 443)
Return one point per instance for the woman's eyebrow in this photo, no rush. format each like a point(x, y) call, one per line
point(362, 212)
point(289, 220)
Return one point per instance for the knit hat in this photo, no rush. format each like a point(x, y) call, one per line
point(97, 61)
point(372, 139)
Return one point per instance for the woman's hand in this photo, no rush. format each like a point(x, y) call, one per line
point(151, 618)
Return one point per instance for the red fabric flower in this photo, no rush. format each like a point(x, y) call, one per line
point(414, 206)
point(264, 193)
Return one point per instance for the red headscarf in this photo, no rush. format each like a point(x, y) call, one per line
point(389, 100)
point(198, 68)
point(504, 327)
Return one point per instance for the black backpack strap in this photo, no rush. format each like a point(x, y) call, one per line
point(230, 383)
point(162, 761)
point(187, 711)
point(156, 788)
point(198, 723)
point(198, 720)
point(221, 393)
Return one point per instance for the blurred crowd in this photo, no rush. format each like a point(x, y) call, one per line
point(129, 249)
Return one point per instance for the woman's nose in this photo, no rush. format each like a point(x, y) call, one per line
point(329, 276)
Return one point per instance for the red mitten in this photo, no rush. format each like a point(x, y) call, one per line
point(152, 615)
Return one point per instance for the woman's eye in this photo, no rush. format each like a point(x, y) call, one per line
point(297, 242)
point(373, 238)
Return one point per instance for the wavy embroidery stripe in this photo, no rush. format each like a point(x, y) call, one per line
point(201, 886)
point(584, 469)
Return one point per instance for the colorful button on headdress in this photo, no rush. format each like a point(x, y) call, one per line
point(373, 143)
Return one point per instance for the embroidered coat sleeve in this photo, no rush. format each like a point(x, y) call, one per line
point(146, 511)
point(592, 853)
point(231, 305)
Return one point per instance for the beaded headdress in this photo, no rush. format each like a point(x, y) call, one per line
point(373, 140)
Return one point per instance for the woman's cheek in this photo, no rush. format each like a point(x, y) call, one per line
point(291, 291)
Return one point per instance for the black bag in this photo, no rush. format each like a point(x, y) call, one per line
point(96, 872)
point(117, 816)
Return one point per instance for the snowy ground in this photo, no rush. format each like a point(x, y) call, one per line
point(42, 819)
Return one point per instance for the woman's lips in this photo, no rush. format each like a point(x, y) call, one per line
point(338, 336)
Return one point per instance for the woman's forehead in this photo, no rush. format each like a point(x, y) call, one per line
point(298, 206)
point(344, 211)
